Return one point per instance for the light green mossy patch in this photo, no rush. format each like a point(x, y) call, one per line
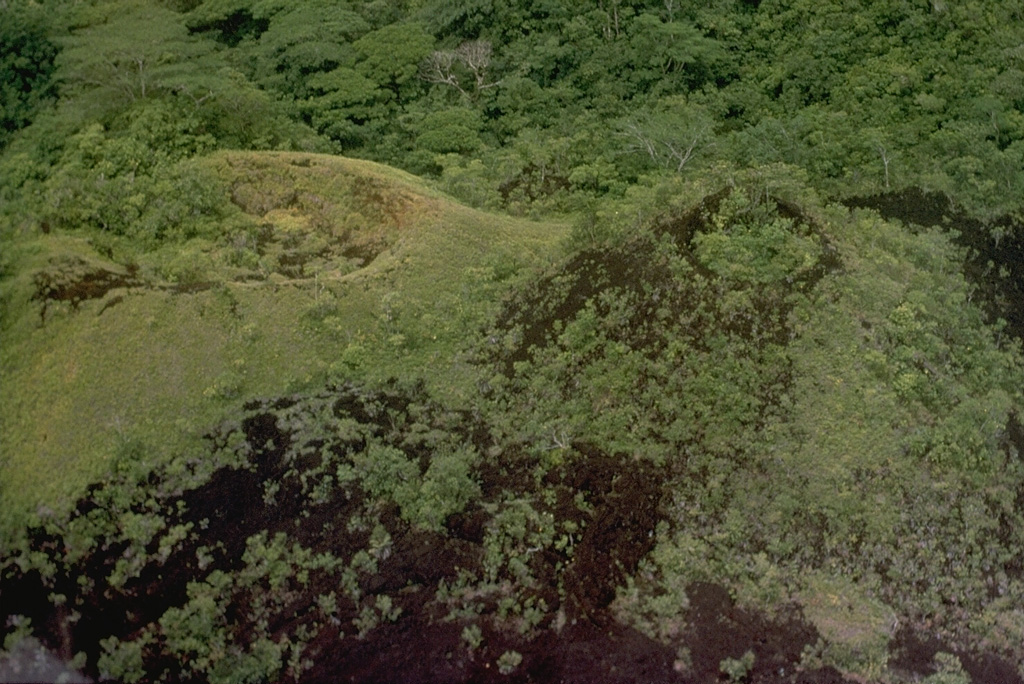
point(164, 360)
point(856, 628)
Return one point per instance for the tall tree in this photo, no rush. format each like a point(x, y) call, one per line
point(391, 57)
point(136, 54)
point(307, 39)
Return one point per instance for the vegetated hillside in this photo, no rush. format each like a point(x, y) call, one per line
point(732, 432)
point(761, 439)
point(321, 266)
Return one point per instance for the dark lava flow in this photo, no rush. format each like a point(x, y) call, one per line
point(294, 447)
point(637, 272)
point(74, 281)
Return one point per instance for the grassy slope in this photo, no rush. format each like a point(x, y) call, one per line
point(160, 366)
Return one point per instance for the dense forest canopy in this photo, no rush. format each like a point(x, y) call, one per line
point(527, 104)
point(512, 340)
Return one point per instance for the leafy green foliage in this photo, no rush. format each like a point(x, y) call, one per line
point(26, 66)
point(390, 56)
point(114, 183)
point(305, 40)
point(874, 100)
point(302, 268)
point(135, 53)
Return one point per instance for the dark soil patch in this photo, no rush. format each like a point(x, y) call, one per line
point(1013, 446)
point(719, 630)
point(582, 653)
point(912, 206)
point(557, 298)
point(74, 280)
point(585, 651)
point(110, 303)
point(627, 498)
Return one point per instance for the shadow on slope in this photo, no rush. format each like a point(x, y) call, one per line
point(995, 250)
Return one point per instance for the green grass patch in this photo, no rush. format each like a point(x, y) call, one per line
point(329, 268)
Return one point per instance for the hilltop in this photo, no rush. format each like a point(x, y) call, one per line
point(324, 267)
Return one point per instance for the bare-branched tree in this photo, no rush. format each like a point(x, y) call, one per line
point(670, 138)
point(443, 66)
point(476, 55)
point(439, 67)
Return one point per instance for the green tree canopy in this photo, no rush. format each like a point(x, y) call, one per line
point(27, 55)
